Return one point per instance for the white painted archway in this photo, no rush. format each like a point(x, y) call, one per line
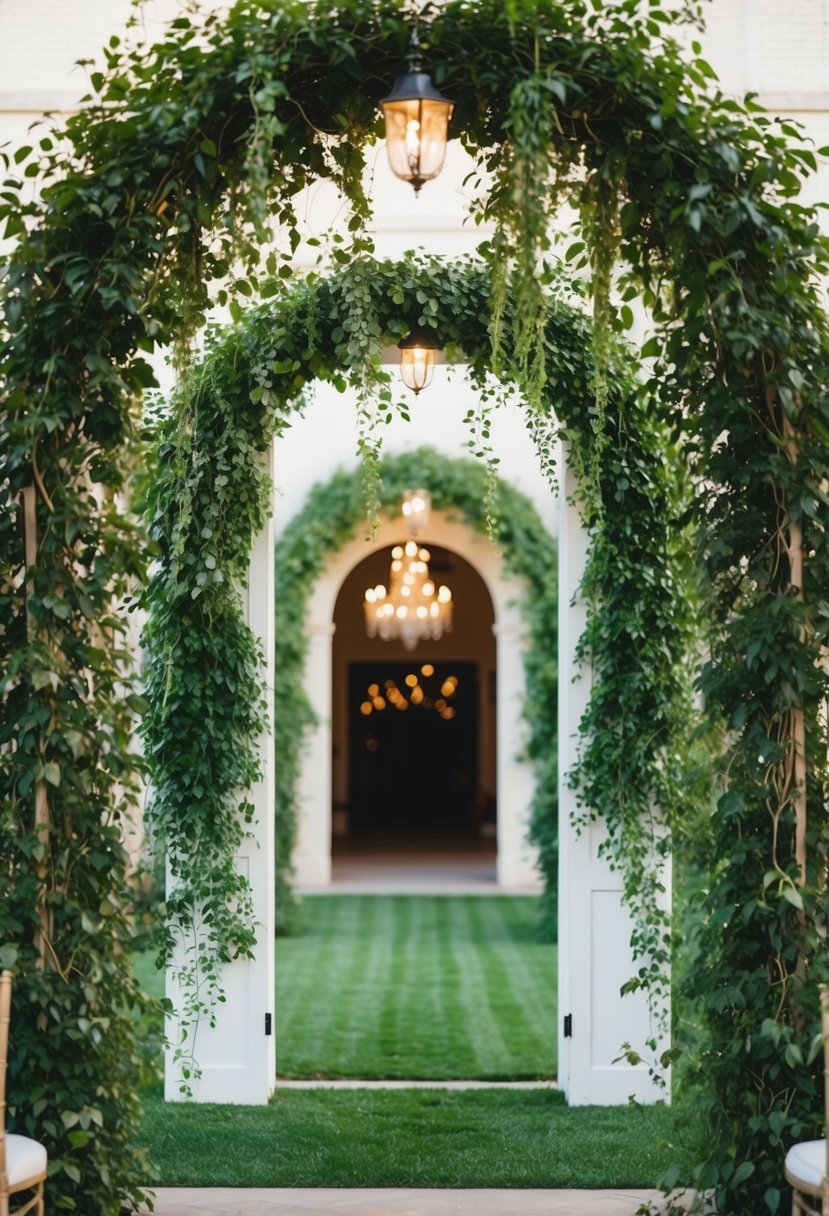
point(516, 868)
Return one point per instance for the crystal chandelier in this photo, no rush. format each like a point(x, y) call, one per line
point(412, 609)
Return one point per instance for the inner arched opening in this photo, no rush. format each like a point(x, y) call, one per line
point(414, 741)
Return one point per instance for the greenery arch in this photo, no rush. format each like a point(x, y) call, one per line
point(184, 155)
point(211, 495)
point(333, 514)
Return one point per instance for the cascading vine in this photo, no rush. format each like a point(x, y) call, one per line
point(205, 701)
point(528, 185)
point(599, 224)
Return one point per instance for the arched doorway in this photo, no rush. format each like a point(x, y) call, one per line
point(492, 640)
point(414, 731)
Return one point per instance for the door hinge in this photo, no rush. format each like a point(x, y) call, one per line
point(268, 1023)
point(568, 1025)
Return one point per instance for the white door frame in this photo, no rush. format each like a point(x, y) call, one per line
point(236, 1057)
point(594, 928)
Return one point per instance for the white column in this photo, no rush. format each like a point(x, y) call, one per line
point(515, 780)
point(312, 855)
point(237, 1057)
point(594, 926)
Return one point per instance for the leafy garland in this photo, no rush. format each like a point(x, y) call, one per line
point(202, 680)
point(170, 178)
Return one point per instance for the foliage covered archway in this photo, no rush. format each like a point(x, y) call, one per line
point(210, 496)
point(333, 514)
point(185, 155)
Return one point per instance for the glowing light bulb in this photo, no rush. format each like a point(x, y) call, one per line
point(413, 142)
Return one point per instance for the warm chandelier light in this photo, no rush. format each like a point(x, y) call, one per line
point(417, 359)
point(413, 694)
point(417, 122)
point(412, 610)
point(416, 505)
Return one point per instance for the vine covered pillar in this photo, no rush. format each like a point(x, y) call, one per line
point(515, 779)
point(237, 1055)
point(312, 855)
point(595, 957)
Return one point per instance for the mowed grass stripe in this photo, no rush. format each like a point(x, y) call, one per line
point(415, 1003)
point(331, 1023)
point(444, 1039)
point(304, 1013)
point(301, 1016)
point(393, 997)
point(506, 1012)
point(353, 1006)
point(523, 982)
point(419, 987)
point(489, 1045)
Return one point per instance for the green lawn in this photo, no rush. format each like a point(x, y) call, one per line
point(414, 1138)
point(417, 986)
point(150, 979)
point(424, 987)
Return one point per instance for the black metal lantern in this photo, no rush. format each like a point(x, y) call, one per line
point(417, 122)
point(417, 359)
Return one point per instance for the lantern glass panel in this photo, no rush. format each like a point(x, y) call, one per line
point(416, 135)
point(417, 363)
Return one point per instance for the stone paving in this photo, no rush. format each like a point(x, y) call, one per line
point(351, 1083)
point(301, 1201)
point(415, 871)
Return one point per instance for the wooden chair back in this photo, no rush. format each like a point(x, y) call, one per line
point(5, 1017)
point(29, 1161)
point(824, 1029)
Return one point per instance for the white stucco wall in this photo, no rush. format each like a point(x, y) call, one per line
point(325, 439)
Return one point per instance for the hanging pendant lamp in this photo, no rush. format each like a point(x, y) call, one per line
point(417, 122)
point(417, 358)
